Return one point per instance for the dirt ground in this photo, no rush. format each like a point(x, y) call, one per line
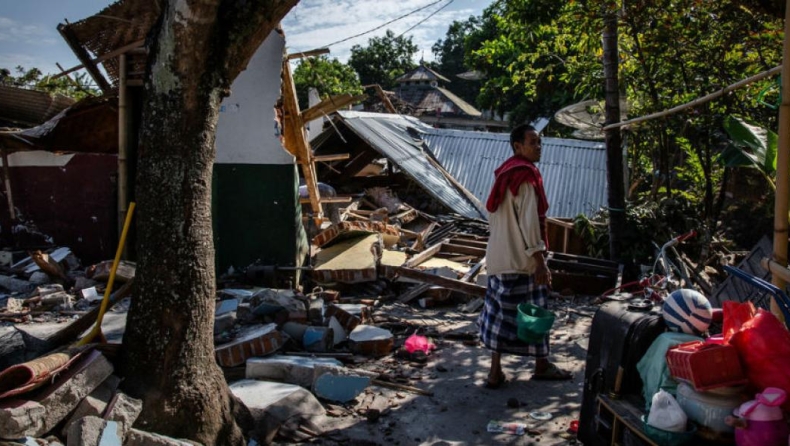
point(461, 407)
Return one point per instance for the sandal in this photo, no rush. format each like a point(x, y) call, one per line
point(501, 380)
point(553, 373)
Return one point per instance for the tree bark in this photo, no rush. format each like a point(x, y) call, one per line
point(196, 51)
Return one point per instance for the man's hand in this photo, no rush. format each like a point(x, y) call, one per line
point(542, 273)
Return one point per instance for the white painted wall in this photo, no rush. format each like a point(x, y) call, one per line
point(247, 132)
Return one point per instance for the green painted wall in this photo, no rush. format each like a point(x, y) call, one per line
point(257, 215)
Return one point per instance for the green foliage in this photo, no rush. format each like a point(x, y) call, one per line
point(646, 223)
point(329, 77)
point(34, 79)
point(450, 53)
point(538, 56)
point(384, 59)
point(752, 146)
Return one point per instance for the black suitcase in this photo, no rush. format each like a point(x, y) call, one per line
point(620, 335)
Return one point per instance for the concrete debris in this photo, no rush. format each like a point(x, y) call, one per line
point(19, 418)
point(272, 404)
point(287, 369)
point(370, 340)
point(338, 384)
point(256, 341)
point(329, 338)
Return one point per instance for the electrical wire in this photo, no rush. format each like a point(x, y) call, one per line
point(387, 23)
point(429, 16)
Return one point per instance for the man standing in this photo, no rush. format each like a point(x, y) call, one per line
point(515, 258)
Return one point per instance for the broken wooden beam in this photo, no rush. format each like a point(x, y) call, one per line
point(461, 249)
point(425, 255)
point(450, 284)
point(397, 386)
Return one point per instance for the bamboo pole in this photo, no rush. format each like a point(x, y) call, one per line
point(123, 141)
point(698, 101)
point(782, 167)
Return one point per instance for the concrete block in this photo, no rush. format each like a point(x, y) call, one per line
point(257, 341)
point(346, 320)
point(86, 431)
point(125, 411)
point(294, 330)
point(338, 384)
point(370, 340)
point(271, 404)
point(58, 399)
point(297, 370)
point(137, 437)
point(315, 314)
point(338, 332)
point(318, 339)
point(224, 322)
point(95, 403)
point(226, 306)
point(18, 417)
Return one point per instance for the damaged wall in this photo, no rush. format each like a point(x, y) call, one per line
point(70, 198)
point(256, 208)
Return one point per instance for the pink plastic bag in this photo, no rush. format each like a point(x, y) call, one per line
point(418, 343)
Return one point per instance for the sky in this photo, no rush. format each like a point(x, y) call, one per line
point(29, 35)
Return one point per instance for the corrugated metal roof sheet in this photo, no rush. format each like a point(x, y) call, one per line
point(574, 171)
point(388, 134)
point(421, 73)
point(427, 99)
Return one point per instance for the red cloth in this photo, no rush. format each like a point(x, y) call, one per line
point(510, 175)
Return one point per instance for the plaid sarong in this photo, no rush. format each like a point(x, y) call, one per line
point(497, 321)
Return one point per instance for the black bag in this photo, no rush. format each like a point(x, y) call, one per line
point(620, 335)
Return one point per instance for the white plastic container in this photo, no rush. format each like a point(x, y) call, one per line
point(709, 409)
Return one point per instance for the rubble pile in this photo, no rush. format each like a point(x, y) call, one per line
point(294, 356)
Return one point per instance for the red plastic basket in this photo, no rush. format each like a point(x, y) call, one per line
point(706, 366)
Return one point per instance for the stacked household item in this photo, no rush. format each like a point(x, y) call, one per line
point(711, 385)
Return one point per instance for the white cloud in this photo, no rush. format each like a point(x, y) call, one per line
point(316, 23)
point(14, 32)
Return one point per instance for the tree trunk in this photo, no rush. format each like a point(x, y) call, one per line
point(196, 52)
point(614, 149)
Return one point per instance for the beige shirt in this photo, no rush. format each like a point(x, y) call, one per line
point(515, 234)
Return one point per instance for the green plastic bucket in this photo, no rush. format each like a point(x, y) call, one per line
point(533, 322)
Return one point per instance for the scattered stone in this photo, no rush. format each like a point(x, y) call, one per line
point(95, 403)
point(298, 370)
point(370, 340)
point(338, 384)
point(141, 438)
point(271, 404)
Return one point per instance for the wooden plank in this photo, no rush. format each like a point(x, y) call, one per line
point(84, 57)
point(450, 284)
point(472, 243)
point(102, 58)
point(328, 200)
point(461, 249)
point(425, 255)
point(296, 141)
point(335, 157)
point(330, 105)
point(413, 293)
point(311, 53)
point(470, 275)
